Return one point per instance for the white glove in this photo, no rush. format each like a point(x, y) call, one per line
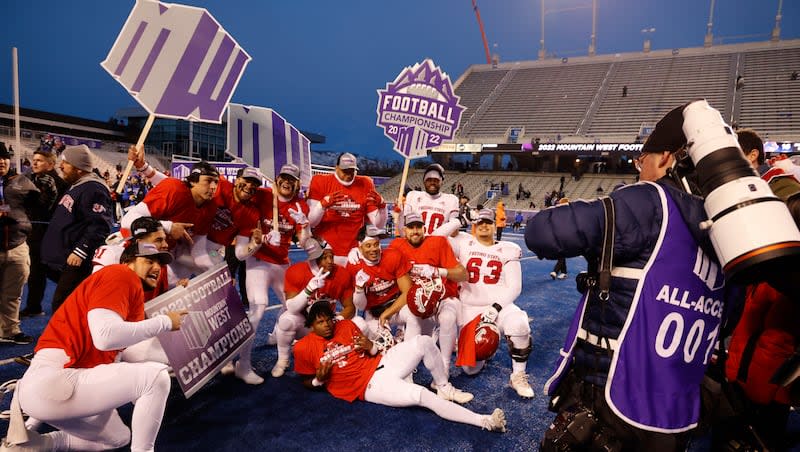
point(317, 281)
point(274, 238)
point(491, 313)
point(361, 279)
point(425, 270)
point(354, 256)
point(298, 216)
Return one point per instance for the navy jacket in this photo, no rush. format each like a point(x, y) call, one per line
point(80, 222)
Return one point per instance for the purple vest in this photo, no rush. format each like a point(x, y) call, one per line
point(669, 333)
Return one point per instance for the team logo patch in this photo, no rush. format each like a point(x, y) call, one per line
point(98, 208)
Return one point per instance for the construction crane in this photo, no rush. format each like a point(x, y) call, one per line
point(483, 33)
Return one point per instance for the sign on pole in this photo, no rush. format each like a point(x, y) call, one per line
point(176, 61)
point(211, 334)
point(419, 110)
point(263, 138)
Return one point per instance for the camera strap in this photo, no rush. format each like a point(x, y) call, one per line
point(607, 253)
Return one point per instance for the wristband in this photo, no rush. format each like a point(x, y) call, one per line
point(144, 167)
point(308, 292)
point(442, 272)
point(316, 383)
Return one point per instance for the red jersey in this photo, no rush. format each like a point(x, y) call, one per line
point(382, 285)
point(338, 285)
point(352, 369)
point(233, 217)
point(341, 222)
point(435, 251)
point(171, 200)
point(115, 287)
point(286, 225)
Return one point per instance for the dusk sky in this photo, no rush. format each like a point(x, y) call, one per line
point(319, 63)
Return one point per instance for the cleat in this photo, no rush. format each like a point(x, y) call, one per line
point(248, 376)
point(451, 393)
point(553, 275)
point(495, 422)
point(228, 369)
point(19, 339)
point(562, 276)
point(519, 381)
point(280, 368)
point(30, 313)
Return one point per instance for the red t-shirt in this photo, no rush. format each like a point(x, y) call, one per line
point(435, 251)
point(286, 225)
point(171, 200)
point(114, 287)
point(341, 222)
point(233, 217)
point(338, 285)
point(382, 285)
point(352, 369)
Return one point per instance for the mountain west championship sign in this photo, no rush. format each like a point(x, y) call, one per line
point(419, 110)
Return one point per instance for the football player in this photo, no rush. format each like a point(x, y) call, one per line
point(494, 281)
point(439, 210)
point(338, 357)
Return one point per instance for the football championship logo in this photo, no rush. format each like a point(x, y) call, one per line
point(419, 110)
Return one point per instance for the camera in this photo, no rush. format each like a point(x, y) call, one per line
point(577, 428)
point(750, 228)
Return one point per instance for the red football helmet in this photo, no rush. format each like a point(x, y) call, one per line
point(424, 296)
point(487, 339)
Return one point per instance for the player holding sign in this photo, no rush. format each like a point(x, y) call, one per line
point(439, 210)
point(494, 281)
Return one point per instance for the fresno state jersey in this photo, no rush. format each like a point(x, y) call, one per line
point(115, 287)
point(338, 285)
point(382, 285)
point(434, 251)
point(340, 223)
point(352, 369)
point(171, 200)
point(435, 210)
point(286, 225)
point(486, 281)
point(234, 217)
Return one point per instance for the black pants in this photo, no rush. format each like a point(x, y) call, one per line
point(499, 234)
point(238, 272)
point(561, 266)
point(37, 280)
point(67, 280)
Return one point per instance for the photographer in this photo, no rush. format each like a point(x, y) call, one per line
point(629, 375)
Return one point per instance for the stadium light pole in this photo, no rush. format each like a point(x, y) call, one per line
point(541, 41)
point(647, 32)
point(776, 32)
point(709, 39)
point(17, 138)
point(593, 39)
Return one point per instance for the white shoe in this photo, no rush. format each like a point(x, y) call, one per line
point(248, 375)
point(450, 392)
point(36, 442)
point(519, 381)
point(553, 275)
point(228, 369)
point(562, 276)
point(280, 368)
point(495, 422)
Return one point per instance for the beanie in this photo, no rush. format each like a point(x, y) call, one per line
point(79, 157)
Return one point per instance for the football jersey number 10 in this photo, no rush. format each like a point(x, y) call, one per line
point(436, 220)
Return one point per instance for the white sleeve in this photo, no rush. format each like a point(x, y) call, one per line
point(512, 275)
point(299, 302)
point(315, 212)
point(137, 211)
point(243, 249)
point(448, 228)
point(360, 299)
point(378, 218)
point(111, 332)
point(157, 177)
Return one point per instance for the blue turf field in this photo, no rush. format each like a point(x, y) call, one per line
point(228, 415)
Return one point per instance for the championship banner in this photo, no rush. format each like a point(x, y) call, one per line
point(419, 110)
point(263, 138)
point(210, 335)
point(176, 61)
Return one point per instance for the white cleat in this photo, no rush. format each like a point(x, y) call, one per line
point(248, 375)
point(562, 276)
point(451, 393)
point(495, 422)
point(553, 275)
point(280, 368)
point(519, 381)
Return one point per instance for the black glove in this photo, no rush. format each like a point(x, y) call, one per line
point(47, 186)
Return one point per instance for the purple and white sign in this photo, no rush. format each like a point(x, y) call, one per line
point(181, 169)
point(264, 139)
point(176, 61)
point(419, 111)
point(210, 335)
